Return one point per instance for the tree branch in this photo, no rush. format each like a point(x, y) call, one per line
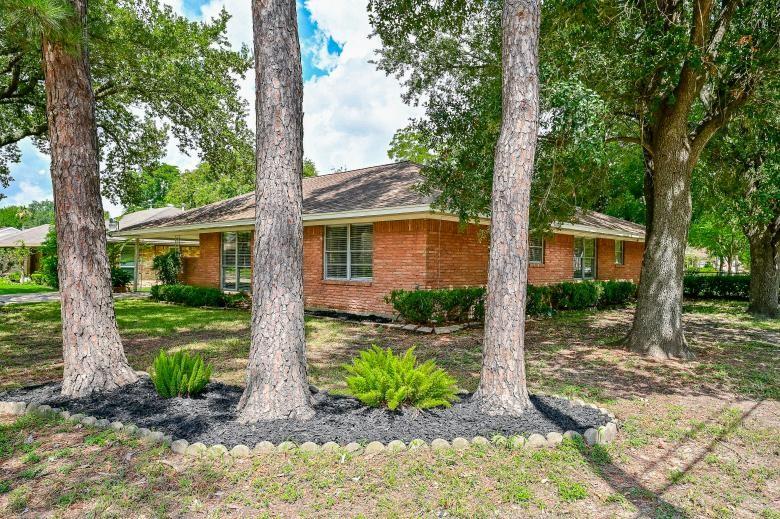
point(14, 137)
point(714, 122)
point(631, 140)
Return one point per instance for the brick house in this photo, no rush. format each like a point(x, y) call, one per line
point(133, 255)
point(368, 231)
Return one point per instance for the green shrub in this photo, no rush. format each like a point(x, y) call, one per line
point(179, 374)
point(189, 295)
point(380, 378)
point(439, 306)
point(616, 293)
point(15, 277)
point(717, 287)
point(539, 300)
point(468, 304)
point(49, 261)
point(37, 278)
point(168, 266)
point(575, 296)
point(120, 277)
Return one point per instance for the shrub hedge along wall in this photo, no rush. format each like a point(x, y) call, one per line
point(456, 305)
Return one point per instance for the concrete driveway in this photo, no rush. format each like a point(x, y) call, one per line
point(45, 297)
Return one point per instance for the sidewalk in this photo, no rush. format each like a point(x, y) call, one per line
point(46, 297)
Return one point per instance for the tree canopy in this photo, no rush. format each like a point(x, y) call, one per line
point(25, 216)
point(608, 69)
point(153, 73)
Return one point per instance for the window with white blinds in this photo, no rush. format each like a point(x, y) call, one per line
point(349, 251)
point(236, 261)
point(536, 250)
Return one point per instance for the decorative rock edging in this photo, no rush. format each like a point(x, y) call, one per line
point(417, 328)
point(603, 435)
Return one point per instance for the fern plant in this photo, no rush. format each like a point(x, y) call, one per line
point(378, 377)
point(179, 374)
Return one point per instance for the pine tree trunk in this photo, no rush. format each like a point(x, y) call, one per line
point(92, 349)
point(764, 275)
point(277, 385)
point(502, 387)
point(658, 329)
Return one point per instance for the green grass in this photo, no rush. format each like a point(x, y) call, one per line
point(668, 412)
point(9, 288)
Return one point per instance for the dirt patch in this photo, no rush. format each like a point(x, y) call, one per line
point(211, 417)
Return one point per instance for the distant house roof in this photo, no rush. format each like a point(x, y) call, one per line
point(147, 215)
point(377, 191)
point(32, 237)
point(7, 231)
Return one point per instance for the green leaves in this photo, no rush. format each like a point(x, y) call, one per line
point(179, 374)
point(154, 74)
point(380, 378)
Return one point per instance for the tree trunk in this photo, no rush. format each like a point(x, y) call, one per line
point(764, 274)
point(658, 329)
point(92, 349)
point(277, 385)
point(502, 387)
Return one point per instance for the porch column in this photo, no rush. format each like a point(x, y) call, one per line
point(137, 266)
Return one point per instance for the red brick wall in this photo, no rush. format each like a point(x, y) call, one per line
point(558, 261)
point(204, 271)
point(417, 254)
point(456, 256)
point(632, 264)
point(399, 262)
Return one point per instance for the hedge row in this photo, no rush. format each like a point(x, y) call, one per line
point(189, 295)
point(717, 287)
point(457, 305)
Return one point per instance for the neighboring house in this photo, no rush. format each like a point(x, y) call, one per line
point(131, 253)
point(369, 231)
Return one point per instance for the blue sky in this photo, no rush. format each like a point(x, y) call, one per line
point(351, 110)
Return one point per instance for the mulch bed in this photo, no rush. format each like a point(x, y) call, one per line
point(210, 418)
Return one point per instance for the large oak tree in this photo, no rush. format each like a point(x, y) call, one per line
point(277, 385)
point(502, 386)
point(618, 78)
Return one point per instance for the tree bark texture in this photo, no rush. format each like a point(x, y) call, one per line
point(277, 384)
point(502, 387)
point(764, 272)
point(92, 349)
point(657, 330)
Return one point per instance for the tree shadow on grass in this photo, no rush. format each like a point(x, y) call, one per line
point(627, 485)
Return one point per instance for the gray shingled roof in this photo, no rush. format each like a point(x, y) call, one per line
point(377, 187)
point(385, 186)
point(32, 237)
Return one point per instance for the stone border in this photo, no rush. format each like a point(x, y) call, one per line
point(432, 329)
point(603, 435)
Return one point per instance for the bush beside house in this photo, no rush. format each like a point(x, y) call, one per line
point(457, 305)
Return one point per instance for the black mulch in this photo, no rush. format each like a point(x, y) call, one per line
point(210, 418)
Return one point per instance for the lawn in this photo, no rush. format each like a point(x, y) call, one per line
point(8, 288)
point(697, 439)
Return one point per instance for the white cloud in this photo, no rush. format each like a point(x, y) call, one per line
point(351, 113)
point(28, 192)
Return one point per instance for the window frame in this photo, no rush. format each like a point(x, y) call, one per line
point(594, 259)
point(622, 260)
point(542, 247)
point(349, 276)
point(237, 279)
